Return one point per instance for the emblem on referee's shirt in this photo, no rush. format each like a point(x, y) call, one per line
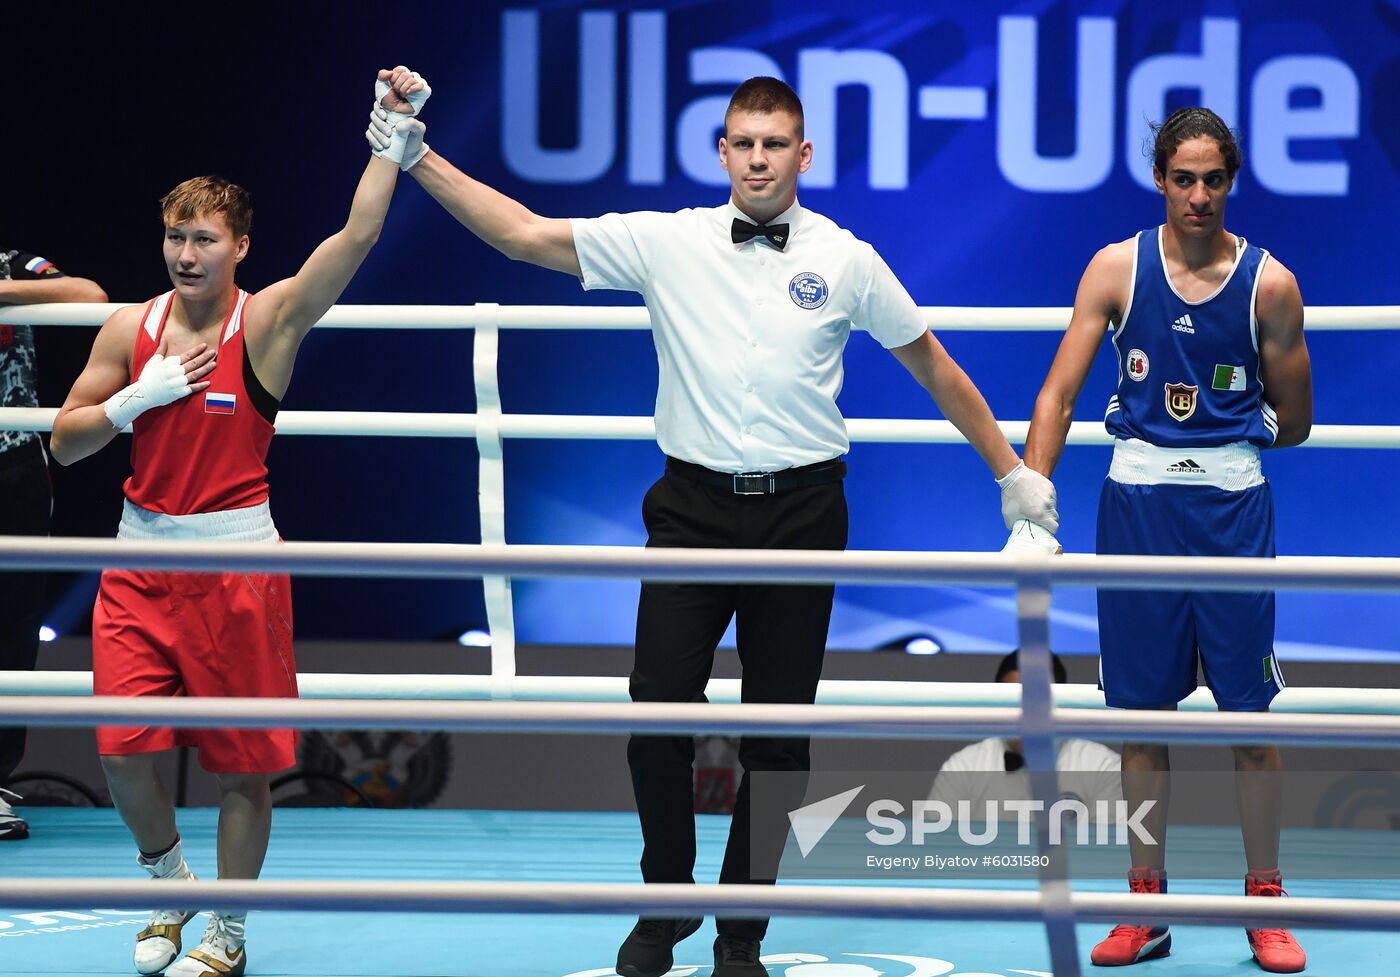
point(1181, 400)
point(808, 290)
point(1137, 364)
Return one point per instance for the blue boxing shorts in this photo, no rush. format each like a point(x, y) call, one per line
point(1186, 502)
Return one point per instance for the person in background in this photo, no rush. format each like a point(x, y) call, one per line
point(994, 769)
point(26, 501)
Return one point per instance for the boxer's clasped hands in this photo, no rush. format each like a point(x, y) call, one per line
point(395, 133)
point(1028, 506)
point(1027, 494)
point(1027, 537)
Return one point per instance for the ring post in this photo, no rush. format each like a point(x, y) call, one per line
point(500, 617)
point(1038, 743)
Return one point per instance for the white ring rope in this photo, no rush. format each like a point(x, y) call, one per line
point(1380, 574)
point(570, 317)
point(685, 718)
point(707, 900)
point(575, 427)
point(831, 692)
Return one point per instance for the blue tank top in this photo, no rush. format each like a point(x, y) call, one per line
point(1188, 372)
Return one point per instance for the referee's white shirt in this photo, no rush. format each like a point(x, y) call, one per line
point(748, 338)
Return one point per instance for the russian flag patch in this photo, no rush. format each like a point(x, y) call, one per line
point(38, 266)
point(215, 403)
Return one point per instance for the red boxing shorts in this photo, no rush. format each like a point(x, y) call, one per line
point(212, 634)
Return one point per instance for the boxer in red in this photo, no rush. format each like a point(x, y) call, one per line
point(199, 373)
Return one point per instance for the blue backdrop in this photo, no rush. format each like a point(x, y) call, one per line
point(986, 150)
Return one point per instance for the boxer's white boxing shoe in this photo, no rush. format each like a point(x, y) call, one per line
point(222, 952)
point(159, 943)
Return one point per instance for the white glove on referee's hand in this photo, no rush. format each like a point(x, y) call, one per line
point(1027, 537)
point(1027, 494)
point(399, 96)
point(402, 143)
point(163, 380)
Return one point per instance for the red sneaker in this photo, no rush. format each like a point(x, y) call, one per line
point(1127, 943)
point(1275, 950)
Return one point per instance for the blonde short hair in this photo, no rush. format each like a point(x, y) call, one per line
point(209, 195)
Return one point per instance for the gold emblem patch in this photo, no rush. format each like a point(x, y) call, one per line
point(1181, 400)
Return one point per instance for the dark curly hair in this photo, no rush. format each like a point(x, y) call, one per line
point(1190, 123)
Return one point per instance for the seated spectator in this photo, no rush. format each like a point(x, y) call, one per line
point(994, 769)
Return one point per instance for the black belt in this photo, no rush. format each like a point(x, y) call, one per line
point(759, 483)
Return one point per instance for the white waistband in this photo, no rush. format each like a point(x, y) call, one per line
point(252, 524)
point(1232, 467)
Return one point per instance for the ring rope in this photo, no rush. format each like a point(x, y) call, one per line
point(851, 692)
point(883, 902)
point(569, 317)
point(687, 718)
point(1380, 574)
point(575, 427)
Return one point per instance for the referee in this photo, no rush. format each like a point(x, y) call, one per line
point(751, 304)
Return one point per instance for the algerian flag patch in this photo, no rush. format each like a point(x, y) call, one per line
point(1228, 378)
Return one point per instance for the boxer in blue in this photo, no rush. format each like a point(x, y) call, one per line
point(1212, 367)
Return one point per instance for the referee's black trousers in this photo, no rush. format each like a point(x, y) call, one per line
point(781, 634)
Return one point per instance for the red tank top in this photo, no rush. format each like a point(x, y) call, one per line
point(205, 452)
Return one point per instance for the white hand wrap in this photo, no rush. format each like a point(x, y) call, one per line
point(1027, 494)
point(416, 101)
point(162, 381)
point(1027, 537)
point(388, 136)
point(414, 148)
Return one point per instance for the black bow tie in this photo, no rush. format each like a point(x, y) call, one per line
point(777, 234)
point(1013, 760)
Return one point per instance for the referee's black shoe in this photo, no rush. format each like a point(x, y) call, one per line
point(647, 950)
point(737, 957)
